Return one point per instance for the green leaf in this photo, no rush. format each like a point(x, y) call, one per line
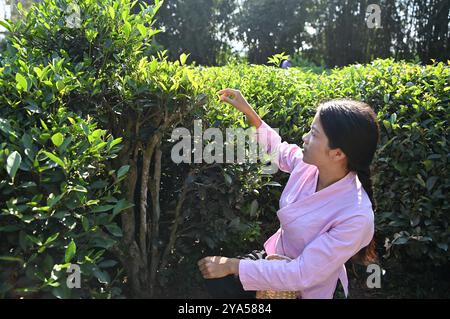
point(114, 143)
point(62, 292)
point(9, 228)
point(127, 29)
point(112, 12)
point(107, 264)
point(8, 258)
point(70, 252)
point(34, 239)
point(6, 25)
point(51, 239)
point(153, 66)
point(85, 223)
point(228, 179)
point(122, 171)
point(21, 82)
point(13, 163)
point(114, 230)
point(273, 183)
point(153, 32)
point(58, 139)
point(420, 180)
point(52, 199)
point(38, 72)
point(100, 209)
point(431, 181)
point(85, 128)
point(102, 276)
point(103, 242)
point(254, 207)
point(393, 118)
point(60, 85)
point(400, 241)
point(54, 158)
point(120, 206)
point(428, 164)
point(80, 188)
point(183, 58)
point(44, 125)
point(99, 146)
point(142, 29)
point(6, 128)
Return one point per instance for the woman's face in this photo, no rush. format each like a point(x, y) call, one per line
point(315, 145)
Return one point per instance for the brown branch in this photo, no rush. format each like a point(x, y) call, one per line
point(155, 218)
point(130, 258)
point(127, 217)
point(177, 220)
point(144, 190)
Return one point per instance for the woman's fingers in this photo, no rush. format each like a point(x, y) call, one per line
point(229, 92)
point(226, 91)
point(225, 96)
point(202, 262)
point(203, 267)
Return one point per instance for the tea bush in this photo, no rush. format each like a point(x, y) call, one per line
point(55, 189)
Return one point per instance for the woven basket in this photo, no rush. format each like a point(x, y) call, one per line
point(269, 294)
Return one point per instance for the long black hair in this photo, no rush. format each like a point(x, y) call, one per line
point(352, 126)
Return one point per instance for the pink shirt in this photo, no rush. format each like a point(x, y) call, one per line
point(320, 230)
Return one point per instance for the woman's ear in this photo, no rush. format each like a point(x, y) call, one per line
point(337, 155)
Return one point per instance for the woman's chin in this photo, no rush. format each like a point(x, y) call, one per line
point(305, 159)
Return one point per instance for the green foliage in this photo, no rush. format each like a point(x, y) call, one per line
point(278, 58)
point(299, 61)
point(59, 195)
point(53, 180)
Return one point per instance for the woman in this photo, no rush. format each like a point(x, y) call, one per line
point(326, 209)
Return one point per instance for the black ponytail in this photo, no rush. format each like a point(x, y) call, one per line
point(352, 126)
point(367, 255)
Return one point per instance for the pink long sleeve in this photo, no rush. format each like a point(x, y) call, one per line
point(322, 258)
point(286, 156)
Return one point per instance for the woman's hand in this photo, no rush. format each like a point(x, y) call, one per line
point(236, 99)
point(218, 267)
point(240, 103)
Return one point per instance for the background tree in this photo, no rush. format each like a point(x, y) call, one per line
point(268, 27)
point(201, 28)
point(433, 19)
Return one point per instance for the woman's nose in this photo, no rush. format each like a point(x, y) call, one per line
point(305, 138)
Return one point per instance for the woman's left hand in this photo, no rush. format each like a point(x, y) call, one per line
point(218, 266)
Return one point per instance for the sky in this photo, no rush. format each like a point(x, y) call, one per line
point(5, 12)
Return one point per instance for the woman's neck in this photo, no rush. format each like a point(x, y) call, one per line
point(329, 177)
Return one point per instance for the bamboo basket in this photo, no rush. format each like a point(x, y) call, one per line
point(269, 294)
